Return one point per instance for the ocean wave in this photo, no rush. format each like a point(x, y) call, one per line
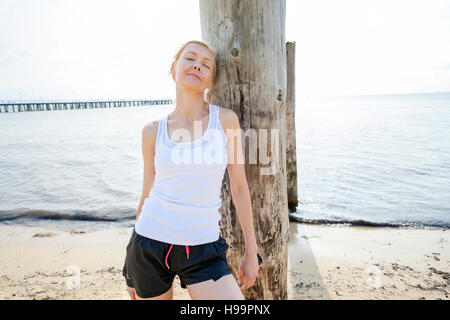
point(55, 215)
point(366, 223)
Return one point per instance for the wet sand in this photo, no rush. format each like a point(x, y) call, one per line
point(325, 262)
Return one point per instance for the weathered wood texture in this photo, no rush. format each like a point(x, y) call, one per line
point(249, 37)
point(291, 150)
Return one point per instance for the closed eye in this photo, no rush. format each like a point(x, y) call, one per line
point(193, 60)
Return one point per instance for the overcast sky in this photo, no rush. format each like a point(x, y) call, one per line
point(107, 49)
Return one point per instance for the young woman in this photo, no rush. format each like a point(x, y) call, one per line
point(177, 231)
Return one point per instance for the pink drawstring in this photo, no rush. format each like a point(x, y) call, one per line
point(168, 255)
point(187, 253)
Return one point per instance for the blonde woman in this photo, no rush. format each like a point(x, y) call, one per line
point(177, 230)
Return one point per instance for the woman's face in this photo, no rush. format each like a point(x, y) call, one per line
point(194, 68)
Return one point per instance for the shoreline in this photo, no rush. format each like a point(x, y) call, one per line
point(50, 219)
point(324, 262)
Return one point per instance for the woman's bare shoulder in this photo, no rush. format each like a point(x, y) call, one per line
point(150, 131)
point(151, 127)
point(228, 118)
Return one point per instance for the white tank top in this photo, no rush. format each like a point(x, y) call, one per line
point(183, 206)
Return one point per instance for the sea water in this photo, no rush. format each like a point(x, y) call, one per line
point(381, 160)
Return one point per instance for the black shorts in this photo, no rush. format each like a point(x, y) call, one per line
point(146, 271)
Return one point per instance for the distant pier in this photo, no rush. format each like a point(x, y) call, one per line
point(69, 105)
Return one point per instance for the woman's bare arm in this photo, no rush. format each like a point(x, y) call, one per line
point(149, 133)
point(238, 181)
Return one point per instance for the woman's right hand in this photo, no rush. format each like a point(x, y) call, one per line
point(132, 293)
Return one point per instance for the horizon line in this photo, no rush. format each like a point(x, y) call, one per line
point(171, 98)
point(370, 94)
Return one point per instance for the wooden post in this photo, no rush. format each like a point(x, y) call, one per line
point(249, 37)
point(291, 150)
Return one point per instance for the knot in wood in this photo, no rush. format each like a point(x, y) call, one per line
point(280, 95)
point(225, 29)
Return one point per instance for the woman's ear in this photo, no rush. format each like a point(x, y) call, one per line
point(172, 71)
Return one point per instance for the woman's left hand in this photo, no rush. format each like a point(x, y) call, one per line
point(248, 271)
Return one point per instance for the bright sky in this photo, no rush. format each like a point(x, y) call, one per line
point(107, 49)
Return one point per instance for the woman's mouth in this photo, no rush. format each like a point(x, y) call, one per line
point(190, 74)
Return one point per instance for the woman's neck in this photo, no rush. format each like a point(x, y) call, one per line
point(189, 106)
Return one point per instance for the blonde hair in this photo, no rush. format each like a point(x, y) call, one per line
point(206, 45)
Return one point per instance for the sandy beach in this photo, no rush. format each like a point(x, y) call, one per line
point(325, 262)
